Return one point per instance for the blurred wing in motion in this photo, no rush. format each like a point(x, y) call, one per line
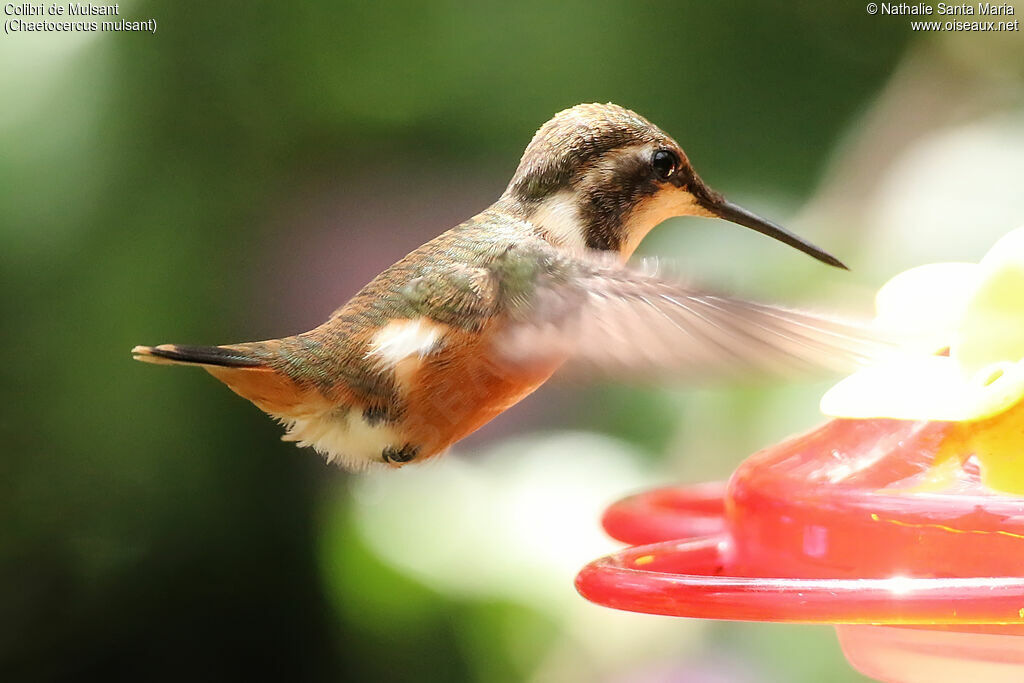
point(612, 319)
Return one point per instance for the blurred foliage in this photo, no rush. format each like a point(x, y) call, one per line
point(153, 526)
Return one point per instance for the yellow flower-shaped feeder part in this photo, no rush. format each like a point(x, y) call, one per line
point(961, 332)
point(961, 327)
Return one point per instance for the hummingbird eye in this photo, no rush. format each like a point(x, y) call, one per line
point(665, 163)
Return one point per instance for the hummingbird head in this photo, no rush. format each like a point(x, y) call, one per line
point(599, 176)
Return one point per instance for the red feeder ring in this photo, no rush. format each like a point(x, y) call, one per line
point(881, 527)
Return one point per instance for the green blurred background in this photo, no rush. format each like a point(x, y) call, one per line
point(242, 172)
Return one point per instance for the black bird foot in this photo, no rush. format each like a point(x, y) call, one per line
point(399, 456)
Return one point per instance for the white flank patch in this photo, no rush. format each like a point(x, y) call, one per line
point(402, 339)
point(559, 217)
point(345, 439)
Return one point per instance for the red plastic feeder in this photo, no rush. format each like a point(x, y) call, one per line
point(881, 527)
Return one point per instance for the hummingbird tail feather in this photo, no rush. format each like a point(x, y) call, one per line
point(273, 392)
point(177, 354)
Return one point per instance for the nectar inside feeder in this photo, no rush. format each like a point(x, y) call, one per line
point(901, 521)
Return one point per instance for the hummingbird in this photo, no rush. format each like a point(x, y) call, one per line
point(473, 321)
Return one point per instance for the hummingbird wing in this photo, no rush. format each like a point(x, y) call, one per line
point(611, 318)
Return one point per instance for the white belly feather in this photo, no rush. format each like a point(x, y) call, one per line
point(346, 439)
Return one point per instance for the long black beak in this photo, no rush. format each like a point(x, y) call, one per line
point(740, 216)
point(716, 205)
